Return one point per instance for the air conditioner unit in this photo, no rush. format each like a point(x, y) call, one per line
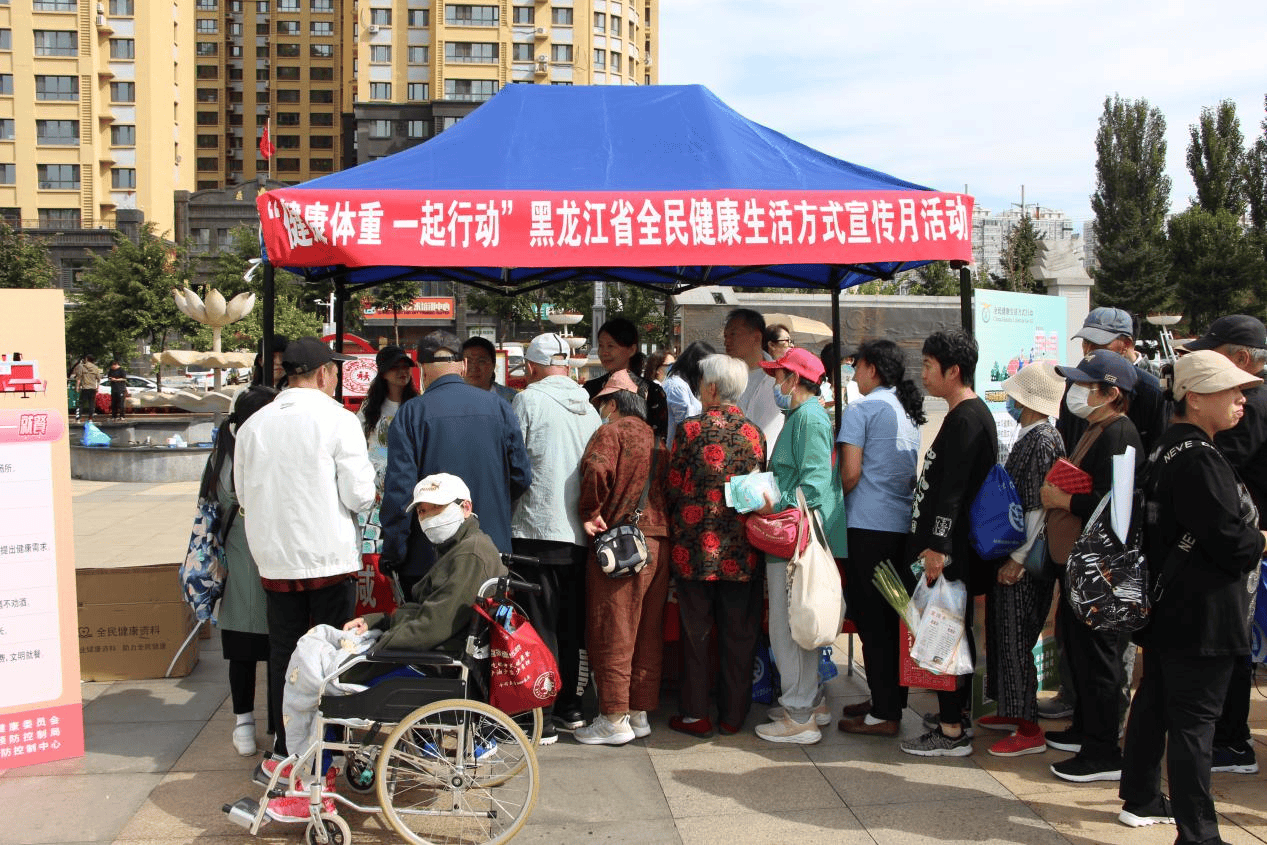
point(647, 61)
point(101, 20)
point(540, 31)
point(542, 60)
point(373, 28)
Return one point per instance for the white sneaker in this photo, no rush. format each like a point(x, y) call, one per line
point(788, 729)
point(822, 714)
point(244, 739)
point(602, 732)
point(639, 722)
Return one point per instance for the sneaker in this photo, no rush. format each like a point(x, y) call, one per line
point(1137, 815)
point(1064, 741)
point(1019, 744)
point(296, 809)
point(485, 750)
point(932, 721)
point(1054, 708)
point(549, 736)
point(788, 729)
point(264, 771)
point(699, 728)
point(1079, 769)
point(1229, 758)
point(244, 739)
point(822, 714)
point(640, 724)
point(569, 720)
point(1007, 724)
point(934, 743)
point(604, 732)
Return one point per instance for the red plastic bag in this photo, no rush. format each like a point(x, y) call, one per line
point(524, 674)
point(374, 593)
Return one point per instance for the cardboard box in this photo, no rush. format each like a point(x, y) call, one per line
point(132, 621)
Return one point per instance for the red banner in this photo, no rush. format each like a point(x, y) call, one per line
point(314, 228)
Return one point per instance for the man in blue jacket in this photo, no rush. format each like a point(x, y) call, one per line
point(455, 428)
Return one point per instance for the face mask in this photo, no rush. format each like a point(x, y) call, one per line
point(783, 400)
point(846, 373)
point(441, 527)
point(1076, 401)
point(1014, 410)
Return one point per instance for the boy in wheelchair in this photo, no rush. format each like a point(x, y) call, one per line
point(437, 619)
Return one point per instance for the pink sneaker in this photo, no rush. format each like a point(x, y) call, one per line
point(296, 809)
point(264, 771)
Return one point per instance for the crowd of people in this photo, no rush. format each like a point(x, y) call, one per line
point(541, 472)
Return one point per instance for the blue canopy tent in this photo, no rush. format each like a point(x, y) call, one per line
point(658, 186)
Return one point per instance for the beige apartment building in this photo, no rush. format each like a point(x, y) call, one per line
point(96, 111)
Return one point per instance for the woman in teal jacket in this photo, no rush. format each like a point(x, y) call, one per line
point(802, 457)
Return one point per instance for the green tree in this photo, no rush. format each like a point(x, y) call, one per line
point(1255, 169)
point(1020, 245)
point(1215, 153)
point(504, 309)
point(1215, 268)
point(393, 296)
point(24, 260)
point(643, 308)
point(933, 279)
point(1130, 203)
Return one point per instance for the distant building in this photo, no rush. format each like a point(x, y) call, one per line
point(990, 231)
point(1089, 245)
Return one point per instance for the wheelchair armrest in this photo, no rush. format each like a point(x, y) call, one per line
point(380, 654)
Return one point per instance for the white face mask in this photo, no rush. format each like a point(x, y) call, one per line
point(1076, 401)
point(441, 527)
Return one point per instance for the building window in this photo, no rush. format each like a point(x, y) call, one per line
point(207, 95)
point(287, 142)
point(207, 163)
point(204, 48)
point(322, 165)
point(287, 5)
point(418, 18)
point(416, 129)
point(6, 84)
point(58, 177)
point(261, 7)
point(123, 135)
point(467, 15)
point(57, 87)
point(469, 90)
point(207, 118)
point(288, 27)
point(380, 17)
point(419, 55)
point(285, 51)
point(123, 92)
point(235, 29)
point(57, 133)
point(320, 119)
point(320, 142)
point(288, 118)
point(561, 17)
point(122, 7)
point(560, 52)
point(321, 74)
point(380, 54)
point(207, 26)
point(321, 51)
point(123, 178)
point(380, 128)
point(380, 90)
point(287, 165)
point(207, 72)
point(443, 123)
point(59, 218)
point(6, 129)
point(208, 142)
point(615, 62)
point(615, 30)
point(55, 42)
point(523, 15)
point(8, 174)
point(417, 92)
point(287, 95)
point(521, 52)
point(322, 28)
point(207, 5)
point(125, 48)
point(262, 74)
point(320, 95)
point(53, 5)
point(288, 72)
point(600, 59)
point(6, 39)
point(600, 22)
point(322, 6)
point(467, 52)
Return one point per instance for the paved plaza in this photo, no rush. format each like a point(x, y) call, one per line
point(159, 763)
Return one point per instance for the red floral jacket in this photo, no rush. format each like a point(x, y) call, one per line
point(707, 541)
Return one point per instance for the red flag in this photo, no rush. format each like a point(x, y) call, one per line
point(266, 146)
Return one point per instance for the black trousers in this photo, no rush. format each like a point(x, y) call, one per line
point(1232, 728)
point(736, 608)
point(558, 611)
point(87, 403)
point(290, 615)
point(1178, 701)
point(1095, 666)
point(875, 618)
point(117, 403)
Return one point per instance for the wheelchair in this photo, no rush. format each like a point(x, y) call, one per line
point(443, 765)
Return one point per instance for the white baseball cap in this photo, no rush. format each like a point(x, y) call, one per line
point(548, 350)
point(439, 489)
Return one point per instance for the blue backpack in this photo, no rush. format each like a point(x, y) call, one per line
point(998, 520)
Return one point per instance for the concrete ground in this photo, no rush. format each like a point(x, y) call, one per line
point(159, 763)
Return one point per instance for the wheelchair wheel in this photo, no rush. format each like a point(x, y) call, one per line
point(531, 724)
point(337, 832)
point(457, 771)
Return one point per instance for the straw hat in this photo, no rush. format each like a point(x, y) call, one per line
point(1037, 386)
point(1207, 371)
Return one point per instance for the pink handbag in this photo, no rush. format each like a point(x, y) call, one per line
point(776, 533)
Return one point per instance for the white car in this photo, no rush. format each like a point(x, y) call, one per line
point(137, 384)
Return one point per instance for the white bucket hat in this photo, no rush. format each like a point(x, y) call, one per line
point(1037, 386)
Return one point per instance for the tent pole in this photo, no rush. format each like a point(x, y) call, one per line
point(965, 300)
point(836, 386)
point(266, 348)
point(340, 302)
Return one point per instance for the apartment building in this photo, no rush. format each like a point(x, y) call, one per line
point(96, 112)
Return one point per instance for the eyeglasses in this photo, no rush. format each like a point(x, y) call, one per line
point(785, 341)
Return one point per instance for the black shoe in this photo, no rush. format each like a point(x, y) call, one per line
point(932, 721)
point(549, 736)
point(1079, 769)
point(569, 720)
point(1238, 759)
point(1143, 815)
point(1064, 741)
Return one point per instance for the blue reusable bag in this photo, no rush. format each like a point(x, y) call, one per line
point(1258, 626)
point(998, 520)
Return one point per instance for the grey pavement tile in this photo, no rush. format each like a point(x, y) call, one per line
point(882, 774)
point(649, 831)
point(986, 821)
point(156, 701)
point(89, 690)
point(714, 782)
point(212, 749)
point(577, 789)
point(839, 826)
point(118, 747)
point(59, 809)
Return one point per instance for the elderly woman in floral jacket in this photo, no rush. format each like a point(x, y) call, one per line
point(717, 572)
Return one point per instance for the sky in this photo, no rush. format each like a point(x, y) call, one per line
point(989, 94)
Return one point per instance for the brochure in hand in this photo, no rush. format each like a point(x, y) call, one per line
point(746, 493)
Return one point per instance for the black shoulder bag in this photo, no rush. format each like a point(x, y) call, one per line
point(622, 550)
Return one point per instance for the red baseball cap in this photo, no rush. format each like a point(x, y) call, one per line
point(800, 361)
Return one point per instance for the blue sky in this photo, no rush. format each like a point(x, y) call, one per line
point(991, 94)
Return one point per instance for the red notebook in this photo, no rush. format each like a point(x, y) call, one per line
point(1069, 478)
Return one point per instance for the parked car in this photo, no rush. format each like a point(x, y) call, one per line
point(137, 384)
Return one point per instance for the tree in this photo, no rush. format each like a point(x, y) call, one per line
point(643, 308)
point(933, 279)
point(1130, 203)
point(1215, 153)
point(1214, 266)
point(393, 296)
point(24, 260)
point(1255, 169)
point(1020, 245)
point(505, 309)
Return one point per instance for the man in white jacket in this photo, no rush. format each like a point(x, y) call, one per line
point(557, 421)
point(302, 472)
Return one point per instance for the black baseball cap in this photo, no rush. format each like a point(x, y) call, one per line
point(391, 355)
point(440, 347)
point(1238, 329)
point(307, 354)
point(1105, 366)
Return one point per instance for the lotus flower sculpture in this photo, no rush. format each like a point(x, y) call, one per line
point(213, 311)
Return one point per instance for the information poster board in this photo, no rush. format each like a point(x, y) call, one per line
point(41, 712)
